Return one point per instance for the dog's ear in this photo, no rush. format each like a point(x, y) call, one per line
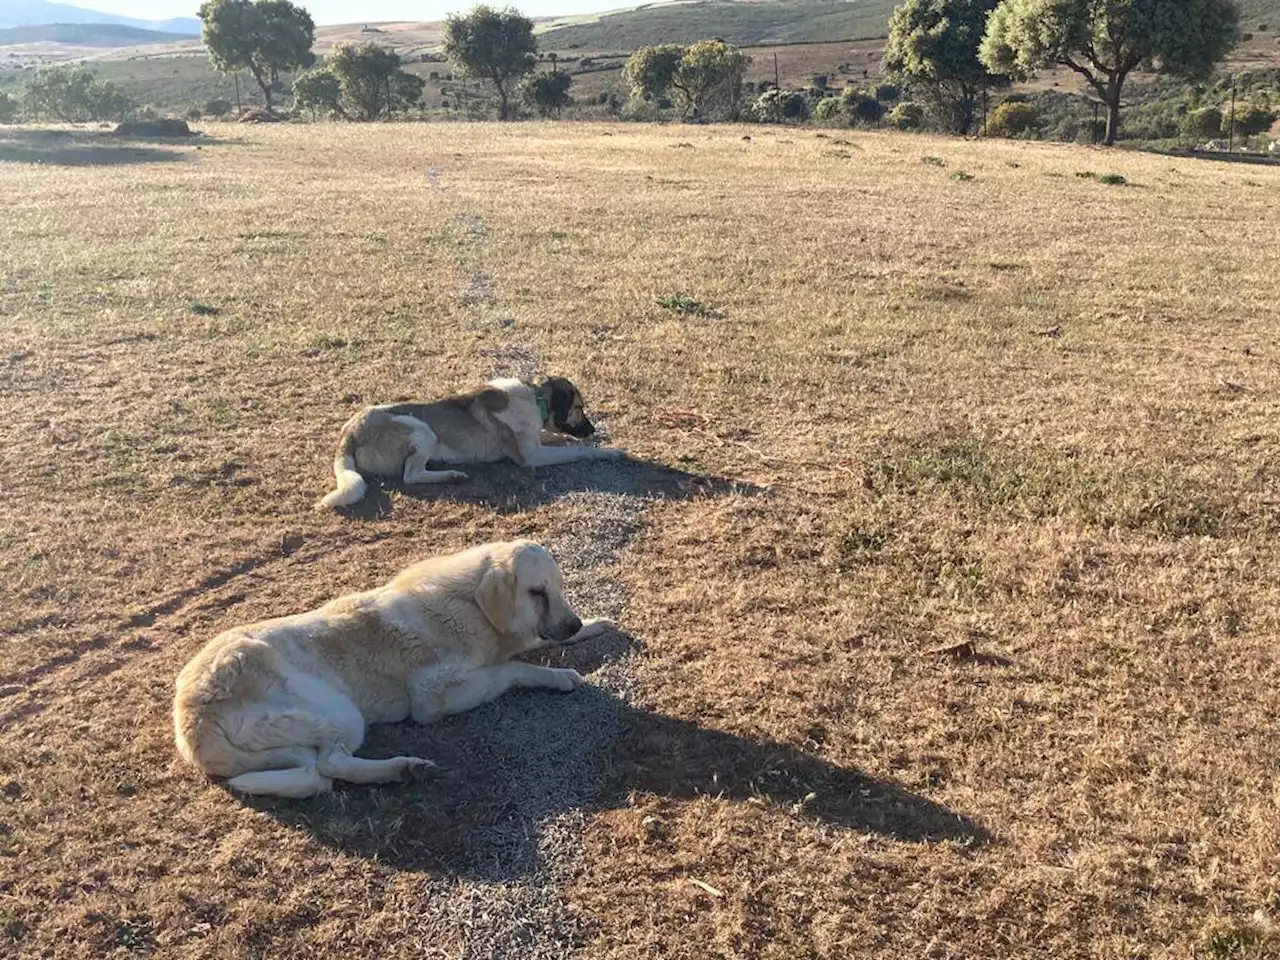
point(563, 393)
point(496, 596)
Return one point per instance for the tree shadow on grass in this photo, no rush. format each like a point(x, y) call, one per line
point(508, 770)
point(509, 488)
point(79, 148)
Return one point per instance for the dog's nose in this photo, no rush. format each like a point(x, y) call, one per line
point(570, 627)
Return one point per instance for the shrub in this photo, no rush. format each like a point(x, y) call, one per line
point(795, 106)
point(640, 110)
point(547, 92)
point(1251, 120)
point(863, 108)
point(194, 115)
point(1012, 119)
point(827, 110)
point(8, 108)
point(217, 108)
point(1203, 124)
point(906, 116)
point(887, 92)
point(820, 81)
point(775, 106)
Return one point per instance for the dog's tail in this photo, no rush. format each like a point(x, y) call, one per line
point(351, 486)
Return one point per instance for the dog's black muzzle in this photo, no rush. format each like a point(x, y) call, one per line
point(563, 630)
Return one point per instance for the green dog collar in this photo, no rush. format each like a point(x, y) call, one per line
point(544, 407)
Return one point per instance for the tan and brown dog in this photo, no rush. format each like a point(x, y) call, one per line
point(502, 420)
point(280, 707)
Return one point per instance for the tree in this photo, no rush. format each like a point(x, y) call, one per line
point(708, 77)
point(650, 69)
point(318, 90)
point(8, 108)
point(370, 80)
point(1104, 40)
point(547, 92)
point(264, 37)
point(72, 94)
point(933, 51)
point(495, 44)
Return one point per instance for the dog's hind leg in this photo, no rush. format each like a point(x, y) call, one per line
point(340, 765)
point(422, 443)
point(297, 783)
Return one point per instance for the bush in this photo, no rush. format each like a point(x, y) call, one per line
point(820, 81)
point(8, 108)
point(194, 115)
point(863, 108)
point(217, 108)
point(547, 92)
point(1203, 124)
point(906, 116)
point(887, 92)
point(640, 110)
point(1012, 119)
point(828, 110)
point(775, 106)
point(1251, 120)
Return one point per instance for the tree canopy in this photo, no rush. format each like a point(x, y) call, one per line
point(933, 50)
point(73, 94)
point(547, 92)
point(1104, 40)
point(358, 82)
point(495, 44)
point(265, 37)
point(704, 78)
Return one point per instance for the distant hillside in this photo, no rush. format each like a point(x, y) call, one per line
point(37, 13)
point(766, 21)
point(88, 35)
point(737, 21)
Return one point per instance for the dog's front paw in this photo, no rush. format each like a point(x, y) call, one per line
point(565, 679)
point(415, 768)
point(594, 627)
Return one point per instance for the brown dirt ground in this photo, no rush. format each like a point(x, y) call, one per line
point(1029, 416)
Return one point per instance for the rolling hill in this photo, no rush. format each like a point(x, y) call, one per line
point(768, 21)
point(37, 13)
point(88, 35)
point(764, 22)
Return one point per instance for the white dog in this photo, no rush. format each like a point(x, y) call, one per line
point(280, 707)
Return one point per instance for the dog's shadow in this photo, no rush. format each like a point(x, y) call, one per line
point(509, 488)
point(509, 771)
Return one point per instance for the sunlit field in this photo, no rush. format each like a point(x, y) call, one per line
point(946, 552)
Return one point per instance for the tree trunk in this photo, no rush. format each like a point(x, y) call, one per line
point(1112, 100)
point(502, 99)
point(265, 84)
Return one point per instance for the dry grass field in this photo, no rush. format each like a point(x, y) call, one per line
point(946, 553)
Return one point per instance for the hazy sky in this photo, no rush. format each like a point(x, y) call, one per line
point(348, 11)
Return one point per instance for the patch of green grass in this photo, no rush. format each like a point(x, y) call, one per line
point(859, 545)
point(1038, 483)
point(683, 304)
point(961, 176)
point(12, 927)
point(933, 161)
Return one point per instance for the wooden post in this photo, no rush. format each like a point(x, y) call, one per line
point(777, 84)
